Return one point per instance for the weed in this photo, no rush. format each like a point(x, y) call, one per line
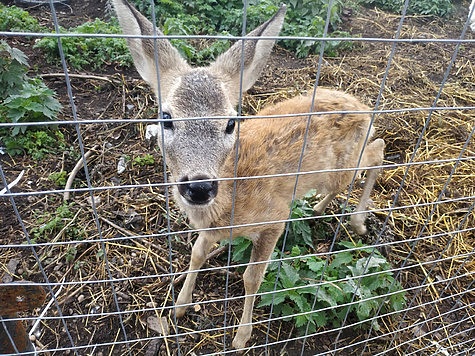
point(14, 19)
point(35, 143)
point(59, 178)
point(340, 278)
point(52, 224)
point(23, 99)
point(146, 160)
point(89, 52)
point(304, 18)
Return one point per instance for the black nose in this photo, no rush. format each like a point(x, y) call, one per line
point(198, 192)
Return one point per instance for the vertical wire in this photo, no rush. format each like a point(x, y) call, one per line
point(37, 258)
point(86, 170)
point(165, 177)
point(444, 80)
point(294, 192)
point(467, 315)
point(10, 338)
point(378, 99)
point(236, 158)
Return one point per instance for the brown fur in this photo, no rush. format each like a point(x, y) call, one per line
point(273, 146)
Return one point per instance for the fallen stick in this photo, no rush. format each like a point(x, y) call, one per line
point(12, 184)
point(75, 171)
point(72, 75)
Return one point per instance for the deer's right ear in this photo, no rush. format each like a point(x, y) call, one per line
point(170, 63)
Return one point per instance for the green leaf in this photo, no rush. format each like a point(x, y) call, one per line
point(288, 275)
point(342, 257)
point(315, 265)
point(266, 299)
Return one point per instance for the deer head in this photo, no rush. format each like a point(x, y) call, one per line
point(196, 149)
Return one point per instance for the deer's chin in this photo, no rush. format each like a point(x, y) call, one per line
point(197, 205)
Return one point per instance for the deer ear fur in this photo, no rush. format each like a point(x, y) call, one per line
point(256, 53)
point(170, 63)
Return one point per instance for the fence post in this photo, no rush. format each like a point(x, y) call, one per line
point(14, 299)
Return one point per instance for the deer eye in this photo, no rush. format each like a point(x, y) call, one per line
point(167, 123)
point(230, 126)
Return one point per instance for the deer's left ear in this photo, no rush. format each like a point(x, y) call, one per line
point(256, 53)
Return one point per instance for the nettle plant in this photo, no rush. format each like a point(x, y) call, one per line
point(300, 274)
point(224, 17)
point(24, 99)
point(88, 52)
point(13, 18)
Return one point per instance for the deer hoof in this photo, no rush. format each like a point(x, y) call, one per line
point(242, 337)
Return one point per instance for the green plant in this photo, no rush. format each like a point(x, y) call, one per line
point(35, 143)
point(13, 19)
point(23, 99)
point(90, 52)
point(340, 278)
point(59, 178)
point(440, 8)
point(33, 102)
point(52, 224)
point(304, 18)
point(146, 160)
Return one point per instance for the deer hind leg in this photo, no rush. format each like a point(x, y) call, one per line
point(198, 258)
point(322, 205)
point(261, 251)
point(373, 156)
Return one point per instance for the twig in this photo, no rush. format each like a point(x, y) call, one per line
point(72, 75)
point(12, 184)
point(75, 171)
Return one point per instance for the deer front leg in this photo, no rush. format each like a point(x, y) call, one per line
point(261, 251)
point(198, 258)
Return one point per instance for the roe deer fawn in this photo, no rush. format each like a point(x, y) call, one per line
point(198, 151)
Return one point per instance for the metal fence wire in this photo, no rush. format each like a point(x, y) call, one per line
point(112, 267)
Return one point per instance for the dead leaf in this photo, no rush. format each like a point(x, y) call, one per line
point(160, 325)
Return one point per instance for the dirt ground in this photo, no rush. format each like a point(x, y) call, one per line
point(413, 81)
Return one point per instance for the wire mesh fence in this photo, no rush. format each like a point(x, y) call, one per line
point(110, 247)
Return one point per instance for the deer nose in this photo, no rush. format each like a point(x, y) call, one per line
point(198, 192)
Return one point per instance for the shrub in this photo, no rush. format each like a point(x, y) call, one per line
point(23, 99)
point(14, 19)
point(89, 52)
point(304, 18)
point(440, 8)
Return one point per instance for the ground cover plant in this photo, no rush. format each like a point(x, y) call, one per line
point(13, 18)
point(25, 99)
point(340, 276)
point(208, 17)
point(88, 52)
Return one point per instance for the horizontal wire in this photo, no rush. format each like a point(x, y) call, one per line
point(235, 38)
point(277, 175)
point(250, 117)
point(320, 254)
point(219, 300)
point(191, 231)
point(260, 322)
